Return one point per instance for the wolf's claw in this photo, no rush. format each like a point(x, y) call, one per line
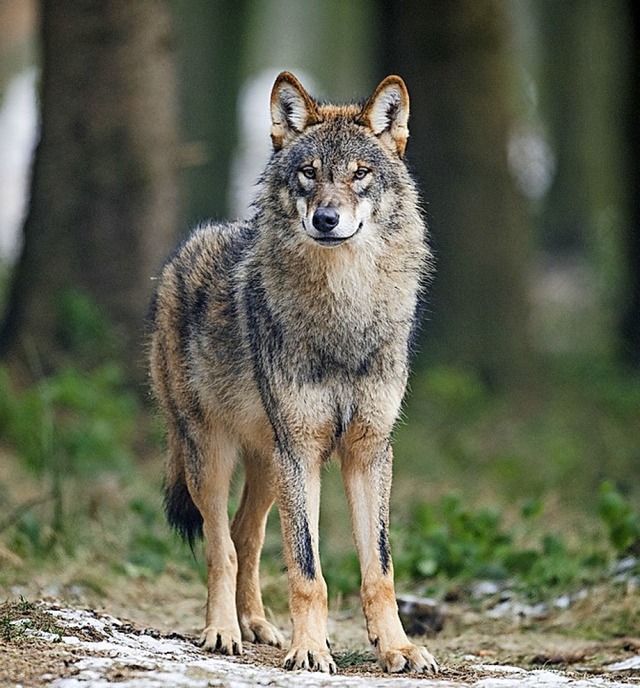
point(222, 640)
point(310, 660)
point(411, 658)
point(259, 630)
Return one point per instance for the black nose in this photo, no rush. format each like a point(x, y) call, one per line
point(326, 219)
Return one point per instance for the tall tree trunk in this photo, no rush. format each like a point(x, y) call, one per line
point(104, 192)
point(455, 59)
point(631, 320)
point(211, 51)
point(564, 93)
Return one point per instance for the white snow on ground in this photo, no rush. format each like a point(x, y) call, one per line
point(131, 659)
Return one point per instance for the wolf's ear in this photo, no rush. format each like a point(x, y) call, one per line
point(386, 113)
point(292, 110)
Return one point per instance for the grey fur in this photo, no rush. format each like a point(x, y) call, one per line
point(285, 344)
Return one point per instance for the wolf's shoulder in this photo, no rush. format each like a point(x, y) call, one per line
point(214, 244)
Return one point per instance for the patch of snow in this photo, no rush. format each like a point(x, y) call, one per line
point(133, 659)
point(499, 668)
point(631, 664)
point(548, 679)
point(516, 608)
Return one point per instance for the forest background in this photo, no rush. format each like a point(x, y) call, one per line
point(518, 457)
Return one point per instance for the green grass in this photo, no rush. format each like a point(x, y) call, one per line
point(575, 427)
point(19, 619)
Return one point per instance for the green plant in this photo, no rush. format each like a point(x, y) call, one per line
point(452, 543)
point(622, 522)
point(20, 617)
point(84, 330)
point(73, 422)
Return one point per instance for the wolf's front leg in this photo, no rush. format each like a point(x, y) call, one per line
point(299, 503)
point(366, 469)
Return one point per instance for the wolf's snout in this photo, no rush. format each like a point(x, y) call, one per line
point(326, 219)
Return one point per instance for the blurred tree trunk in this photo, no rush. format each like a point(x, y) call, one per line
point(631, 321)
point(566, 93)
point(455, 59)
point(211, 50)
point(103, 192)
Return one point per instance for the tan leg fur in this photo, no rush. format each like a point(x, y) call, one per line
point(247, 532)
point(366, 469)
point(210, 494)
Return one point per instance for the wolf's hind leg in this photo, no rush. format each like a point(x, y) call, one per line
point(209, 488)
point(247, 532)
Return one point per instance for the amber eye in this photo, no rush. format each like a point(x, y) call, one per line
point(361, 173)
point(308, 171)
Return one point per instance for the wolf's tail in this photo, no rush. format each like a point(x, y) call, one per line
point(181, 511)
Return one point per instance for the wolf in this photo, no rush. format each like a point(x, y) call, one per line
point(285, 339)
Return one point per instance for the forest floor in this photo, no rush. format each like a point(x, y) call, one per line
point(143, 636)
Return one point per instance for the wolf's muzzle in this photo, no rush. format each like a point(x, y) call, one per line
point(326, 219)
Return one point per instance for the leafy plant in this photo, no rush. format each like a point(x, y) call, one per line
point(84, 330)
point(623, 523)
point(74, 422)
point(453, 543)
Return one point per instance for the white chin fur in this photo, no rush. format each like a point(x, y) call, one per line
point(344, 230)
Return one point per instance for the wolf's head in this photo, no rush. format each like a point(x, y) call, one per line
point(336, 168)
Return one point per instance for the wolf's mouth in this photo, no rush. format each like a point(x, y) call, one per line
point(335, 241)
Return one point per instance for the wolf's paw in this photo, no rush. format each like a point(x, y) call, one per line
point(226, 641)
point(311, 660)
point(259, 630)
point(407, 658)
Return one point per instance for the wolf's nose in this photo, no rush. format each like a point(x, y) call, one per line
point(326, 219)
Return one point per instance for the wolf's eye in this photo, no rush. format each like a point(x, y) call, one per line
point(308, 171)
point(361, 173)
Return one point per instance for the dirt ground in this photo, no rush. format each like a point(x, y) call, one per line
point(143, 634)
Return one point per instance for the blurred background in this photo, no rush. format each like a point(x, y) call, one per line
point(122, 124)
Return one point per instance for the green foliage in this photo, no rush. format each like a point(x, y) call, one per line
point(31, 537)
point(453, 543)
point(454, 389)
point(448, 544)
point(352, 658)
point(342, 572)
point(73, 422)
point(581, 419)
point(623, 523)
point(151, 545)
point(83, 329)
point(71, 425)
point(82, 425)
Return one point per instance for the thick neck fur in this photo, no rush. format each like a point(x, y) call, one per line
point(375, 275)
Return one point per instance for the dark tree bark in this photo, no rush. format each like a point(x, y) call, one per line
point(631, 320)
point(455, 59)
point(566, 216)
point(103, 204)
point(211, 48)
